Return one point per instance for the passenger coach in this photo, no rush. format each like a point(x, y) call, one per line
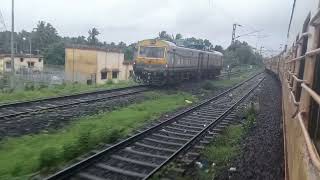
point(159, 62)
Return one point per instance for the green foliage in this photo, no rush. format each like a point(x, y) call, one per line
point(194, 43)
point(219, 48)
point(29, 154)
point(49, 157)
point(226, 146)
point(55, 54)
point(92, 39)
point(109, 82)
point(241, 53)
point(208, 85)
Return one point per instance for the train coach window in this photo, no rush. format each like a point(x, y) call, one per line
point(314, 125)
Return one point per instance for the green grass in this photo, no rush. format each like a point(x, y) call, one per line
point(29, 154)
point(226, 146)
point(224, 83)
point(31, 92)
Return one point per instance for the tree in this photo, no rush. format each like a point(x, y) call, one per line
point(44, 36)
point(164, 36)
point(178, 36)
point(55, 54)
point(92, 39)
point(219, 48)
point(242, 53)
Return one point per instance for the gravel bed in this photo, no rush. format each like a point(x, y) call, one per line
point(262, 149)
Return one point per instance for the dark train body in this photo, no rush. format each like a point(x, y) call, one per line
point(159, 62)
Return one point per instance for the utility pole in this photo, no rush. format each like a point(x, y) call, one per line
point(12, 45)
point(261, 50)
point(234, 28)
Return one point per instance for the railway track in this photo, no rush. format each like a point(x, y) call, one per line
point(144, 154)
point(27, 107)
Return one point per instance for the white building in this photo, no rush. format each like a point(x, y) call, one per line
point(21, 61)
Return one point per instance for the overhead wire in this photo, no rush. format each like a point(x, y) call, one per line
point(2, 21)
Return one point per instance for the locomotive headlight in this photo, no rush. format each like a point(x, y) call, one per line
point(166, 65)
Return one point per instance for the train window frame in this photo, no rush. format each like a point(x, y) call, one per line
point(314, 111)
point(304, 46)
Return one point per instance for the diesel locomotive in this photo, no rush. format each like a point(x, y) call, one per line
point(158, 62)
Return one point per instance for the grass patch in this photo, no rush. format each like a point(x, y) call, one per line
point(224, 83)
point(28, 154)
point(33, 92)
point(225, 147)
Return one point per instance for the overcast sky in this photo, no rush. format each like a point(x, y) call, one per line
point(134, 20)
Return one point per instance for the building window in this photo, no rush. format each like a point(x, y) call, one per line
point(40, 59)
point(114, 75)
point(30, 64)
point(131, 73)
point(8, 65)
point(21, 59)
point(104, 75)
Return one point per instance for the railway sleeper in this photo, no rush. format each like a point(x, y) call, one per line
point(166, 131)
point(188, 123)
point(120, 171)
point(188, 127)
point(154, 147)
point(181, 130)
point(170, 137)
point(134, 161)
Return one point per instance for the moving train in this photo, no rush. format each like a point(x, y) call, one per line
point(298, 69)
point(159, 62)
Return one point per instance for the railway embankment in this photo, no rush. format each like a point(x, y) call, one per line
point(251, 150)
point(262, 154)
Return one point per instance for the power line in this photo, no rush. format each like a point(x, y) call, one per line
point(2, 21)
point(291, 17)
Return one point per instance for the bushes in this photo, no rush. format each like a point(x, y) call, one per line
point(49, 157)
point(207, 85)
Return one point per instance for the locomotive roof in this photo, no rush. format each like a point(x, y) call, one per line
point(180, 47)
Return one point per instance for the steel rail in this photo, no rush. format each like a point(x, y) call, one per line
point(71, 170)
point(194, 139)
point(67, 96)
point(70, 103)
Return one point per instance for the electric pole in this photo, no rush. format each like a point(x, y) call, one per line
point(12, 45)
point(234, 28)
point(261, 50)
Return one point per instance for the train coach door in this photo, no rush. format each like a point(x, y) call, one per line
point(200, 65)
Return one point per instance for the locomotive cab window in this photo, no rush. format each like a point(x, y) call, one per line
point(151, 52)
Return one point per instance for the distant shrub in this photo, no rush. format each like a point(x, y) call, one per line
point(42, 86)
point(49, 157)
point(84, 140)
point(70, 150)
point(114, 135)
point(109, 82)
point(207, 85)
point(29, 87)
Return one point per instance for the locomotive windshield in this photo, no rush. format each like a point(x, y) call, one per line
point(151, 52)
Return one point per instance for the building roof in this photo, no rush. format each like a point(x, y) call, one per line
point(22, 55)
point(93, 48)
